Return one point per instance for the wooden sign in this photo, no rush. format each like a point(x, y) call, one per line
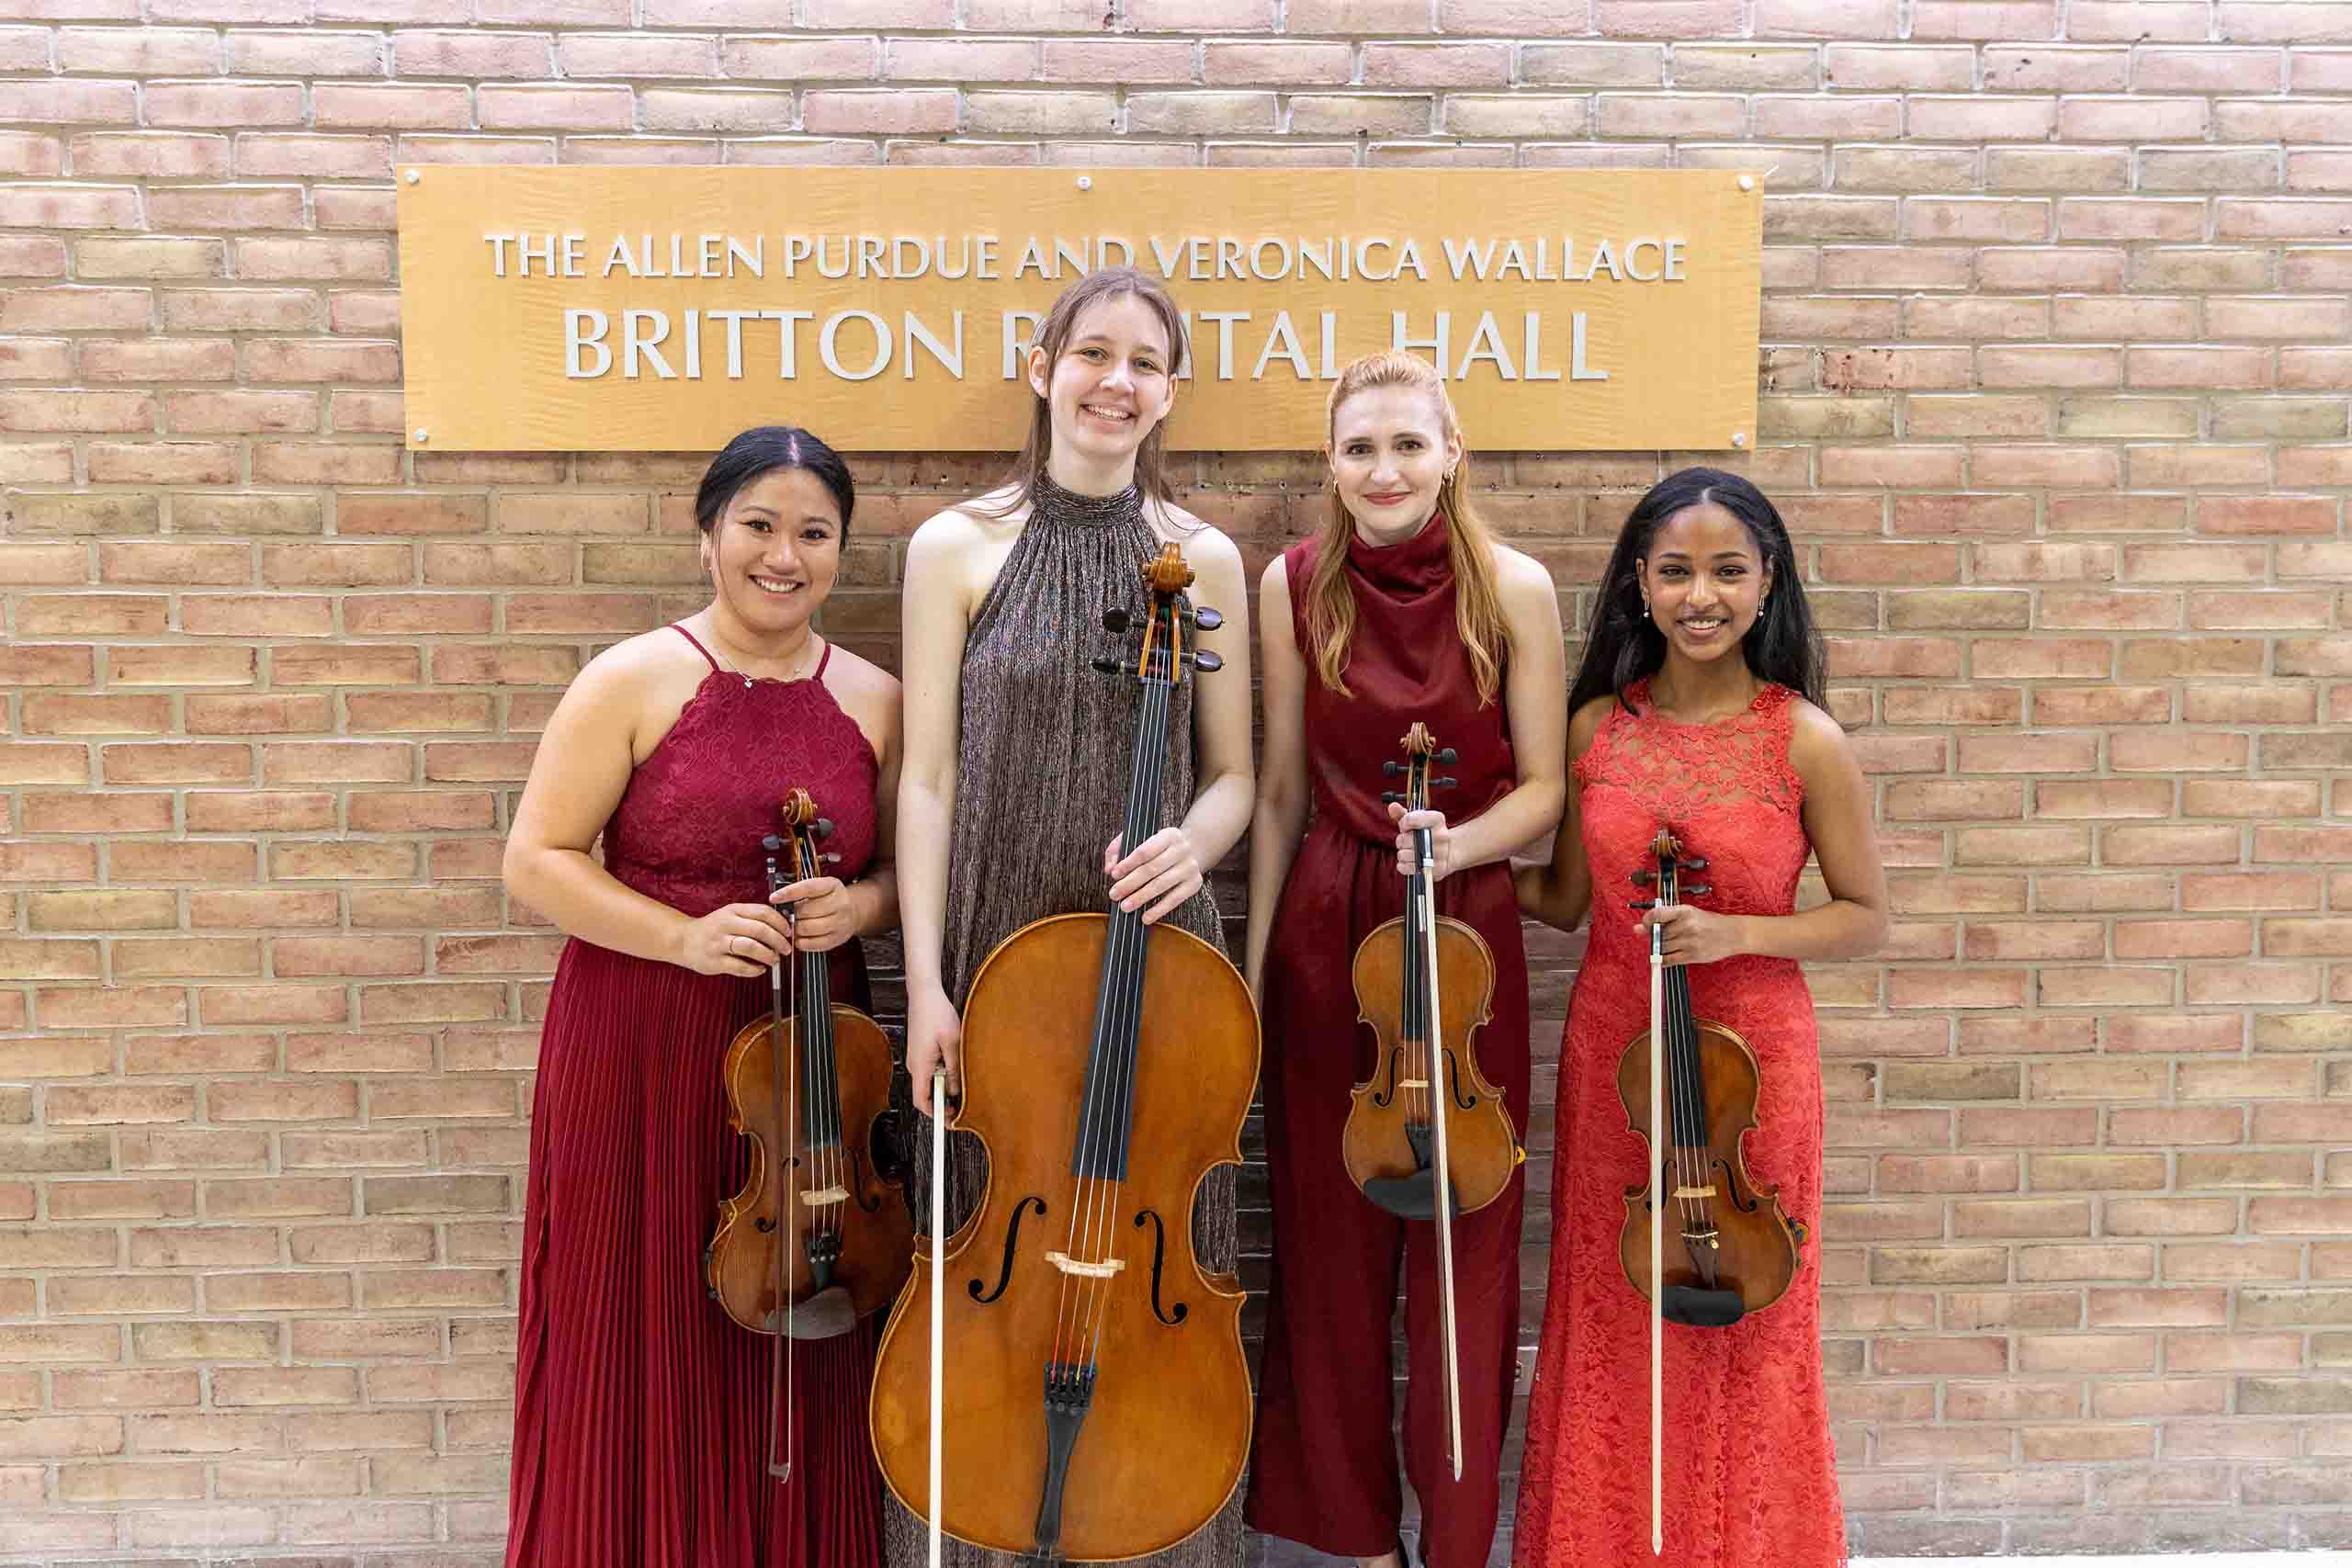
point(890, 310)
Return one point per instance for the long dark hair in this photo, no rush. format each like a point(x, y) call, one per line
point(1052, 336)
point(762, 450)
point(1625, 645)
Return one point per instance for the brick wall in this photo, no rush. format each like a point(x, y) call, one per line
point(2056, 397)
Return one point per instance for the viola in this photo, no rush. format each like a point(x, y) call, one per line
point(1100, 1406)
point(1692, 1102)
point(820, 1234)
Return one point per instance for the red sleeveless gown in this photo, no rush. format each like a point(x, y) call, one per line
point(1323, 1467)
point(1749, 1474)
point(640, 1409)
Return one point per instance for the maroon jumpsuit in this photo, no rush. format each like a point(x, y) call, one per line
point(1323, 1469)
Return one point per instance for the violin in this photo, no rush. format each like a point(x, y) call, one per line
point(1695, 1101)
point(1427, 1136)
point(804, 1253)
point(1101, 1407)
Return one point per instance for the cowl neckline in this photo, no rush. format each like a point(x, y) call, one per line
point(1408, 569)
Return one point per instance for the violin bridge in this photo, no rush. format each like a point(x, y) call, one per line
point(1084, 1271)
point(1706, 1191)
point(1413, 1083)
point(816, 1197)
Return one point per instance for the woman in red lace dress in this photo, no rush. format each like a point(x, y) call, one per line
point(1697, 708)
point(1402, 608)
point(641, 1410)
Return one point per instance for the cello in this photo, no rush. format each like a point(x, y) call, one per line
point(1101, 1407)
point(1427, 1136)
point(819, 1235)
point(1692, 1102)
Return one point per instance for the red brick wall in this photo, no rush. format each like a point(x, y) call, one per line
point(2054, 394)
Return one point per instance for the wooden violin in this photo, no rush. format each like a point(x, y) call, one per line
point(1695, 1101)
point(1101, 1405)
point(820, 1235)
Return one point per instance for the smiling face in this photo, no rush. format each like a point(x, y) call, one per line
point(1389, 457)
point(1110, 386)
point(1706, 580)
point(775, 552)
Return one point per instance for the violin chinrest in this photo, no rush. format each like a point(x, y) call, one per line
point(1695, 1308)
point(1410, 1197)
point(828, 1314)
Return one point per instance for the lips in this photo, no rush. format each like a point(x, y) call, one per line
point(774, 587)
point(1388, 497)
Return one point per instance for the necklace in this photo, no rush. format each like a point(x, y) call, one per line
point(813, 644)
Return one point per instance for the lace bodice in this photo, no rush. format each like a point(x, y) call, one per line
point(688, 827)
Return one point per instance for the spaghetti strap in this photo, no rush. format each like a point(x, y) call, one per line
point(822, 659)
point(680, 628)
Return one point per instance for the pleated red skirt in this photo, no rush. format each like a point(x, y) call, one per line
point(641, 1410)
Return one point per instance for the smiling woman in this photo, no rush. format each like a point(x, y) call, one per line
point(639, 1413)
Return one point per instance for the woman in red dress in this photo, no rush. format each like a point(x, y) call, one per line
point(1696, 709)
point(642, 1411)
point(1402, 608)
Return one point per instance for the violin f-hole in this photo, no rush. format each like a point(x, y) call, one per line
point(1746, 1205)
point(1012, 1235)
point(1453, 1076)
point(1396, 1072)
point(1158, 1256)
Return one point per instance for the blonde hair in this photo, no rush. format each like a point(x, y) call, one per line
point(1478, 604)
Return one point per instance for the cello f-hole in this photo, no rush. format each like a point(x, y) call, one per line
point(1012, 1236)
point(1158, 1256)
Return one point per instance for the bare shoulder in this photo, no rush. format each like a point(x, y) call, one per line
point(1200, 539)
point(1816, 740)
point(949, 532)
point(1585, 722)
point(1518, 570)
point(636, 663)
point(855, 675)
point(1275, 580)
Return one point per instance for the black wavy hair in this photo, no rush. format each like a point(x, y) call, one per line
point(1625, 645)
point(763, 450)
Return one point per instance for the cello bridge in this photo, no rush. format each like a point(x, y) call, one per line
point(1085, 1271)
point(818, 1197)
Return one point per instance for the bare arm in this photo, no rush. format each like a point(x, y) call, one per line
point(1534, 696)
point(578, 776)
point(1281, 812)
point(1559, 892)
point(937, 616)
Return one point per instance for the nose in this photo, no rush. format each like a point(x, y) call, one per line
point(1118, 375)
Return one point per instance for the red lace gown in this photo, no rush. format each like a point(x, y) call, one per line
point(640, 1418)
point(1749, 1474)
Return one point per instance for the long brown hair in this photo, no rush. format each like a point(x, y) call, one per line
point(1052, 336)
point(1477, 600)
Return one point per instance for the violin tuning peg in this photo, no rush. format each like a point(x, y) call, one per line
point(1641, 904)
point(1108, 666)
point(1389, 769)
point(1445, 756)
point(1644, 879)
point(1114, 620)
point(1695, 865)
point(1443, 783)
point(772, 844)
point(1696, 892)
point(831, 859)
point(824, 829)
point(1389, 798)
point(1206, 619)
point(1205, 661)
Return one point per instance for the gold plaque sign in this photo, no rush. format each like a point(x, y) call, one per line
point(890, 310)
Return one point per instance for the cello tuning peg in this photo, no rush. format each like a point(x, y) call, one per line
point(824, 828)
point(1205, 661)
point(1641, 904)
point(1114, 620)
point(1108, 666)
point(1206, 619)
point(1389, 769)
point(1644, 879)
point(1445, 756)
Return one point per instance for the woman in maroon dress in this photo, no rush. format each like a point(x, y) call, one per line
point(642, 1411)
point(1401, 608)
point(1696, 709)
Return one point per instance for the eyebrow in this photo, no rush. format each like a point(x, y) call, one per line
point(1105, 339)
